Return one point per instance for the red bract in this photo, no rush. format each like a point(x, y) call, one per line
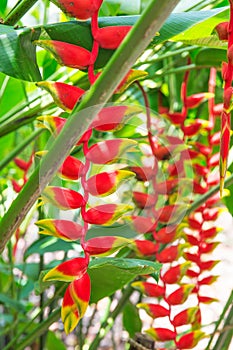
point(161, 334)
point(143, 173)
point(208, 280)
point(64, 229)
point(52, 123)
point(175, 273)
point(75, 302)
point(150, 289)
point(63, 198)
point(144, 200)
point(206, 300)
point(142, 224)
point(107, 152)
point(79, 8)
point(106, 183)
point(71, 169)
point(22, 164)
point(154, 310)
point(145, 247)
point(195, 224)
point(68, 271)
point(168, 213)
point(208, 265)
point(166, 234)
point(180, 295)
point(112, 118)
point(105, 245)
point(166, 187)
point(105, 214)
point(111, 37)
point(222, 30)
point(195, 100)
point(185, 317)
point(64, 95)
point(190, 340)
point(206, 248)
point(67, 54)
point(17, 188)
point(210, 233)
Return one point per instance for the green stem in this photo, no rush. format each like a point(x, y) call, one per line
point(138, 39)
point(226, 307)
point(20, 148)
point(226, 335)
point(20, 9)
point(106, 326)
point(39, 330)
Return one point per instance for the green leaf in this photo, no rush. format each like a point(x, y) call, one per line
point(19, 306)
point(53, 342)
point(110, 274)
point(49, 244)
point(17, 53)
point(114, 230)
point(210, 57)
point(131, 320)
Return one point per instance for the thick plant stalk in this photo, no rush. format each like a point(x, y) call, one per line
point(83, 114)
point(19, 11)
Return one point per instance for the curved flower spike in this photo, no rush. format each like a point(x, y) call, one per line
point(75, 302)
point(104, 246)
point(78, 8)
point(185, 317)
point(66, 54)
point(106, 214)
point(68, 271)
point(64, 229)
point(190, 340)
point(105, 183)
point(65, 96)
point(149, 289)
point(112, 118)
point(111, 37)
point(107, 152)
point(63, 198)
point(71, 169)
point(154, 310)
point(161, 334)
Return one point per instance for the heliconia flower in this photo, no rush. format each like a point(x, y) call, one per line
point(210, 214)
point(65, 96)
point(104, 246)
point(208, 265)
point(190, 340)
point(206, 248)
point(166, 187)
point(192, 129)
point(111, 37)
point(175, 273)
point(143, 173)
point(161, 334)
point(166, 234)
point(210, 233)
point(52, 123)
point(149, 289)
point(224, 146)
point(17, 188)
point(79, 9)
point(170, 254)
point(132, 76)
point(104, 184)
point(144, 200)
point(180, 295)
point(192, 240)
point(195, 100)
point(222, 30)
point(75, 302)
point(176, 118)
point(141, 224)
point(170, 213)
point(154, 310)
point(64, 229)
point(67, 54)
point(214, 160)
point(185, 317)
point(71, 169)
point(107, 152)
point(22, 164)
point(192, 257)
point(68, 271)
point(208, 280)
point(145, 247)
point(106, 214)
point(200, 169)
point(112, 118)
point(192, 274)
point(207, 300)
point(194, 223)
point(63, 198)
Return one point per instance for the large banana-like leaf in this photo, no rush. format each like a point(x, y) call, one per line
point(17, 52)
